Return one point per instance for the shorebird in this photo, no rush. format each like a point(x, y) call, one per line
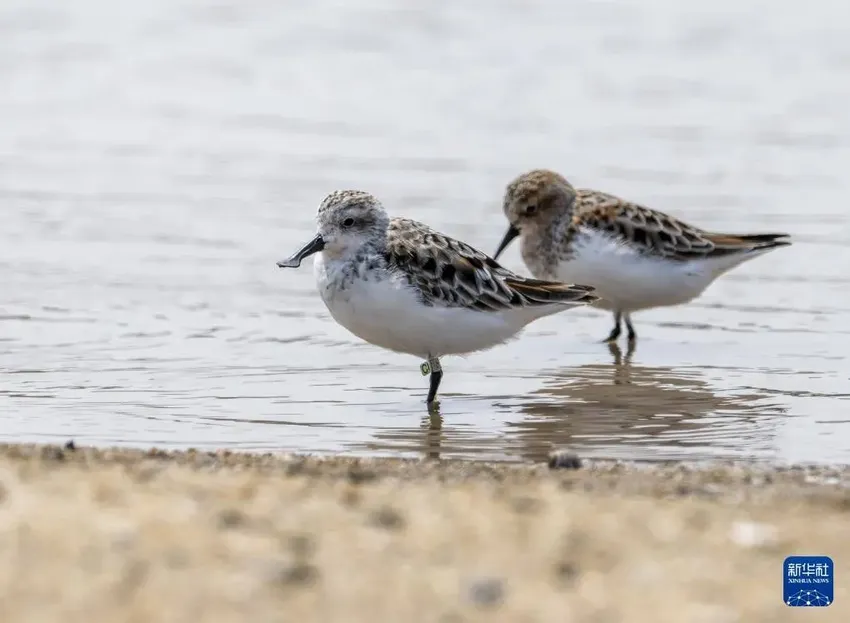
point(636, 258)
point(400, 285)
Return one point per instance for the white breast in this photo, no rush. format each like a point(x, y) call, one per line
point(383, 310)
point(629, 281)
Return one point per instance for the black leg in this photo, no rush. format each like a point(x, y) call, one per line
point(631, 329)
point(615, 332)
point(433, 367)
point(436, 377)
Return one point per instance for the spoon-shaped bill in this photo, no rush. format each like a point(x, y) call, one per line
point(314, 246)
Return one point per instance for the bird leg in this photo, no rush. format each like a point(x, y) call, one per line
point(631, 329)
point(615, 332)
point(432, 367)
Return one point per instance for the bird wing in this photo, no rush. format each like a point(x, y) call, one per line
point(450, 273)
point(651, 232)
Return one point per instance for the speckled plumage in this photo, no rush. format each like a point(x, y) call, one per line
point(450, 273)
point(636, 257)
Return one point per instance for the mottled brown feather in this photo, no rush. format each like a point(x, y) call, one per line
point(451, 273)
point(655, 233)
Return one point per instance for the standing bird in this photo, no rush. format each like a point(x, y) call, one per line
point(635, 257)
point(400, 285)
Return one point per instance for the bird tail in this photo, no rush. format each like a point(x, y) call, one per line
point(748, 242)
point(537, 292)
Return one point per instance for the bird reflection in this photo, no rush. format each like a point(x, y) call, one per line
point(426, 440)
point(633, 411)
point(621, 366)
point(614, 410)
point(432, 427)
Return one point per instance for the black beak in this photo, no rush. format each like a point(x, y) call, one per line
point(314, 246)
point(512, 233)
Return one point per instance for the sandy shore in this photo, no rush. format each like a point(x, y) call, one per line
point(127, 535)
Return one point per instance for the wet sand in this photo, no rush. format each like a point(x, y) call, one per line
point(131, 535)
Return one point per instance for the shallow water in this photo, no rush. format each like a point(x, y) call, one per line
point(157, 158)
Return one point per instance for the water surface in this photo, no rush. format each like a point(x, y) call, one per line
point(156, 160)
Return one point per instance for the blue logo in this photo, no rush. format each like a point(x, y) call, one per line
point(808, 581)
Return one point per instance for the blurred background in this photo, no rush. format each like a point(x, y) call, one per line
point(158, 158)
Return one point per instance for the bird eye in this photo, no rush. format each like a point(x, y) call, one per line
point(529, 210)
point(349, 222)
